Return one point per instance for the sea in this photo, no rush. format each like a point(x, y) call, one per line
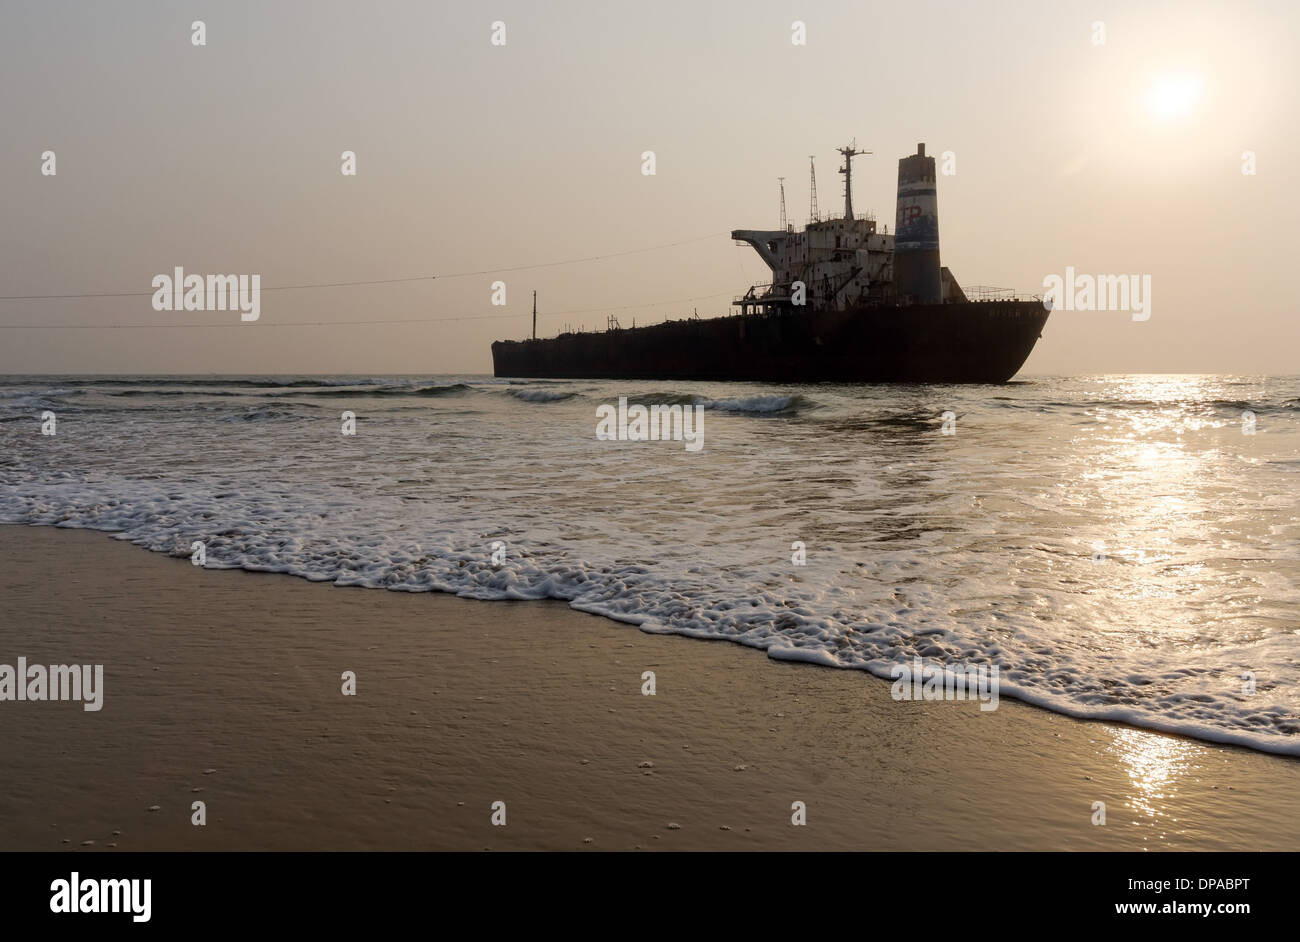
point(1121, 547)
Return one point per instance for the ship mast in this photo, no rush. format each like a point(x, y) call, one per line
point(812, 170)
point(781, 181)
point(534, 315)
point(849, 153)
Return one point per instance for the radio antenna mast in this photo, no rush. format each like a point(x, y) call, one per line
point(812, 170)
point(849, 153)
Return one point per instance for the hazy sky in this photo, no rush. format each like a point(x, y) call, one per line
point(1120, 158)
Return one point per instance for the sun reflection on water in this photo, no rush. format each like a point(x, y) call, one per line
point(1155, 765)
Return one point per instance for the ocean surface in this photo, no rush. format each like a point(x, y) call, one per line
point(1118, 546)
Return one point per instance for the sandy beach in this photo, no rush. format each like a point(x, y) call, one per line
point(225, 687)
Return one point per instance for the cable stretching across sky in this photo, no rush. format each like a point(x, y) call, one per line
point(383, 281)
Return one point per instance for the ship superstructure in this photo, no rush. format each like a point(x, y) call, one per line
point(841, 262)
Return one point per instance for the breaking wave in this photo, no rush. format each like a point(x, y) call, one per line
point(975, 547)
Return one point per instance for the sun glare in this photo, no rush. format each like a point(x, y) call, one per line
point(1175, 96)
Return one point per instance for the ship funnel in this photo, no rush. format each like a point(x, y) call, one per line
point(916, 230)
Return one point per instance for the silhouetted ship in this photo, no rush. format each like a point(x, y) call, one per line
point(846, 304)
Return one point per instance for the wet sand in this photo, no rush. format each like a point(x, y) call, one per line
point(225, 687)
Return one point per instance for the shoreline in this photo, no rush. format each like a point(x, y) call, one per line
point(224, 686)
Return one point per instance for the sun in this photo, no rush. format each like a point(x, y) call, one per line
point(1175, 96)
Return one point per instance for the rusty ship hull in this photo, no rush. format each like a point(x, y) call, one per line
point(962, 342)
